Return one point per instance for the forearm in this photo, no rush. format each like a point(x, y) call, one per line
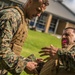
point(61, 51)
point(66, 52)
point(13, 64)
point(67, 56)
point(10, 60)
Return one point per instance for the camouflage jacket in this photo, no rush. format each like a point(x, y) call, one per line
point(10, 20)
point(67, 57)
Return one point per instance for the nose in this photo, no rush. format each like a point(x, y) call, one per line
point(63, 36)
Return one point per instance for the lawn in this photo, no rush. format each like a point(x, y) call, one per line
point(37, 40)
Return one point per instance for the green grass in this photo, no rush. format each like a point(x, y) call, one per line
point(37, 40)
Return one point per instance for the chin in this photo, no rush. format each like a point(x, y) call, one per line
point(30, 18)
point(27, 16)
point(64, 46)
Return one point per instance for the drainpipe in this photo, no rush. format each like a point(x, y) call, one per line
point(56, 26)
point(35, 22)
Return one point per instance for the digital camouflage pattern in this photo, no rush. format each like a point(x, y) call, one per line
point(10, 21)
point(20, 36)
point(67, 57)
point(63, 65)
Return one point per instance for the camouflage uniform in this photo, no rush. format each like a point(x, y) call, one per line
point(67, 58)
point(13, 32)
point(64, 65)
point(11, 40)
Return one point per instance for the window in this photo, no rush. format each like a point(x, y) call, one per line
point(53, 24)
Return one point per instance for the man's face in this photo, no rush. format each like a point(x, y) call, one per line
point(68, 37)
point(35, 9)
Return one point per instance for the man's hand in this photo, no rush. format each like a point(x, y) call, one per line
point(51, 51)
point(31, 68)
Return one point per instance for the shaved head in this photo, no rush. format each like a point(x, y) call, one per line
point(46, 2)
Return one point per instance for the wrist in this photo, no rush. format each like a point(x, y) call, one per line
point(56, 55)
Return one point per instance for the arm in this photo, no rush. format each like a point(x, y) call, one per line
point(69, 54)
point(50, 51)
point(10, 61)
point(67, 57)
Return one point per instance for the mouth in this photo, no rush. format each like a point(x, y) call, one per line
point(64, 41)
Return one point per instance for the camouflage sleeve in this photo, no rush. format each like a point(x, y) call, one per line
point(67, 56)
point(10, 61)
point(70, 52)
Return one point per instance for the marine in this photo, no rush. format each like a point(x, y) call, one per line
point(13, 32)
